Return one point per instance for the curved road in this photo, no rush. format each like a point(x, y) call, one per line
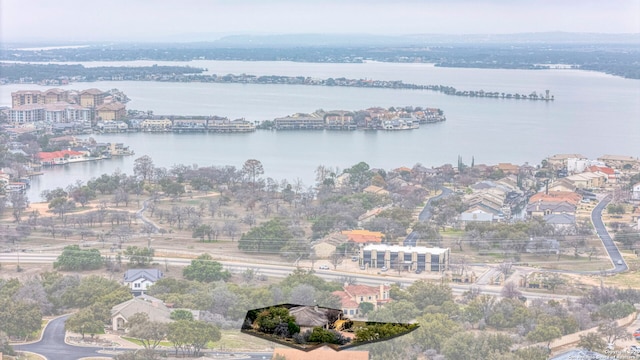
point(609, 245)
point(52, 345)
point(425, 214)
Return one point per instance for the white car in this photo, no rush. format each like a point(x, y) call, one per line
point(323, 267)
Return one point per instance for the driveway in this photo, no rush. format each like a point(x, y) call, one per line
point(52, 345)
point(609, 245)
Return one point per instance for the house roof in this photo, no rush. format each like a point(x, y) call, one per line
point(363, 236)
point(152, 275)
point(345, 299)
point(309, 316)
point(92, 92)
point(556, 196)
point(322, 353)
point(114, 106)
point(372, 189)
point(57, 154)
point(364, 290)
point(553, 206)
point(477, 215)
point(149, 305)
point(560, 219)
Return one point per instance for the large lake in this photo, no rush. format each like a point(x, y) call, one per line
point(593, 114)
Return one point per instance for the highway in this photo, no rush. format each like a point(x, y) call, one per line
point(282, 271)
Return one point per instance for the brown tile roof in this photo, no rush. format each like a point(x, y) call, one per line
point(322, 353)
point(556, 196)
point(345, 299)
point(114, 106)
point(363, 236)
point(92, 92)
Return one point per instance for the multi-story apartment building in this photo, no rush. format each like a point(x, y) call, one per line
point(92, 98)
point(111, 111)
point(60, 112)
point(27, 97)
point(300, 121)
point(27, 113)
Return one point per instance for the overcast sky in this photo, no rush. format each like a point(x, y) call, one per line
point(83, 20)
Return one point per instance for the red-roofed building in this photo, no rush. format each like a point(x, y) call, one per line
point(59, 157)
point(352, 295)
point(363, 236)
point(612, 177)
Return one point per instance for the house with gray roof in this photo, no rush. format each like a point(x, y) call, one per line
point(140, 280)
point(154, 308)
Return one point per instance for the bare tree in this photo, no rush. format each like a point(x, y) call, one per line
point(510, 290)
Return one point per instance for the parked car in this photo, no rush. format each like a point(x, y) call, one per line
point(362, 267)
point(634, 350)
point(418, 271)
point(323, 267)
point(636, 334)
point(354, 258)
point(384, 268)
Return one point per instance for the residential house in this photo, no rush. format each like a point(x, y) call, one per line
point(562, 185)
point(556, 196)
point(59, 157)
point(339, 120)
point(477, 215)
point(508, 168)
point(152, 125)
point(588, 180)
point(140, 280)
point(154, 308)
point(308, 317)
point(541, 208)
point(351, 296)
point(563, 222)
point(328, 245)
point(612, 175)
point(363, 236)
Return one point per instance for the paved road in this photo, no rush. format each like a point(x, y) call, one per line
point(52, 345)
point(425, 214)
point(609, 245)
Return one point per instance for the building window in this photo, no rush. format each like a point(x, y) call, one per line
point(369, 297)
point(136, 285)
point(351, 312)
point(361, 298)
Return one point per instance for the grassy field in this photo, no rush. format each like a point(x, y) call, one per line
point(230, 340)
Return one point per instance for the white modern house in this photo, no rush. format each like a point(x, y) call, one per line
point(140, 280)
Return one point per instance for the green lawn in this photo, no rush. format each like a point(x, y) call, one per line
point(230, 339)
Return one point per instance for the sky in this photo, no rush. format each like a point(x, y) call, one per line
point(184, 20)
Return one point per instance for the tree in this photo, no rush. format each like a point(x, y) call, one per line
point(268, 319)
point(19, 203)
point(75, 259)
point(139, 257)
point(19, 319)
point(592, 342)
point(143, 167)
point(544, 333)
point(252, 169)
point(365, 308)
point(85, 321)
point(150, 333)
point(204, 269)
point(612, 332)
point(268, 237)
point(192, 336)
point(434, 330)
point(181, 315)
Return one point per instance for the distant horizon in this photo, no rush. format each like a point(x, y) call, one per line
point(172, 21)
point(442, 37)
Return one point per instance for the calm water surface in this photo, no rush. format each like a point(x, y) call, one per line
point(594, 114)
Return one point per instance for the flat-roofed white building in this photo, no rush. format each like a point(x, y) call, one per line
point(409, 258)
